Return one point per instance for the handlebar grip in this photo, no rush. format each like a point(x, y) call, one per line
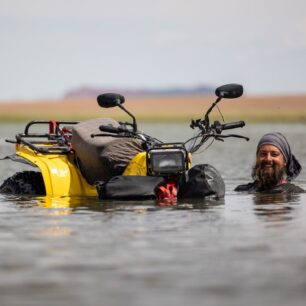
point(233, 125)
point(109, 129)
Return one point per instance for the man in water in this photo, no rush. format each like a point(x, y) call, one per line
point(275, 167)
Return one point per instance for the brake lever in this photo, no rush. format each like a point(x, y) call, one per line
point(237, 136)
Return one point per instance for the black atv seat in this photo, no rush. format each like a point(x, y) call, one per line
point(102, 157)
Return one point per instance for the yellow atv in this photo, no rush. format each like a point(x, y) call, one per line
point(113, 160)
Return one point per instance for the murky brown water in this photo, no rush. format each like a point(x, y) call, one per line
point(244, 250)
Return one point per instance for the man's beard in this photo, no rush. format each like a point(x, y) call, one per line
point(268, 177)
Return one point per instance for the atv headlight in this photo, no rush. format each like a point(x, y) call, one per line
point(166, 161)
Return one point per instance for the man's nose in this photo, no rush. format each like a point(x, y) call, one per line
point(268, 157)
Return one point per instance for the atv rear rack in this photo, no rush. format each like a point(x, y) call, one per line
point(56, 141)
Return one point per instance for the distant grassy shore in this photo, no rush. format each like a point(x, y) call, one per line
point(158, 109)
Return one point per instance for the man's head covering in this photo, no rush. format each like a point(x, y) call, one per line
point(279, 140)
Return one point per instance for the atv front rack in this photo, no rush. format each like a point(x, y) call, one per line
point(56, 141)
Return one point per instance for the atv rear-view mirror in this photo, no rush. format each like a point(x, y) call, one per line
point(229, 91)
point(110, 100)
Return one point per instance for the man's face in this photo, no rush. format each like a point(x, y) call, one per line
point(270, 166)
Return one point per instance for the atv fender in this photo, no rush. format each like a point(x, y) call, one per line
point(61, 176)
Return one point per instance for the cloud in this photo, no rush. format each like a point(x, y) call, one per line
point(100, 9)
point(170, 36)
point(295, 37)
point(50, 45)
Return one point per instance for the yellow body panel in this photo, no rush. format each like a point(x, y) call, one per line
point(62, 177)
point(60, 174)
point(137, 166)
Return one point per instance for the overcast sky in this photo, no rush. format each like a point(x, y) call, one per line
point(50, 46)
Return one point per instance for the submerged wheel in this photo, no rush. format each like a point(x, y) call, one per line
point(26, 182)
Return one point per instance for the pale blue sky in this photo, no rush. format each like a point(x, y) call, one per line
point(50, 46)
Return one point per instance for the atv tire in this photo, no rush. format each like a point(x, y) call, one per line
point(26, 182)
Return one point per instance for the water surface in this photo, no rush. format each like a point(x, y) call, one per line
point(242, 250)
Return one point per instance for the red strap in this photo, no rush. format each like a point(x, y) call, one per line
point(167, 194)
point(52, 126)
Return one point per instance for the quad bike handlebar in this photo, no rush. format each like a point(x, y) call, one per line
point(207, 130)
point(228, 126)
point(112, 129)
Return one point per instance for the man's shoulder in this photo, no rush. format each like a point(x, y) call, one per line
point(250, 187)
point(287, 187)
point(290, 188)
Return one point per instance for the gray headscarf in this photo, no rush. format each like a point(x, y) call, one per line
point(279, 140)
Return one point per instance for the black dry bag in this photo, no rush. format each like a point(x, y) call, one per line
point(129, 187)
point(202, 181)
